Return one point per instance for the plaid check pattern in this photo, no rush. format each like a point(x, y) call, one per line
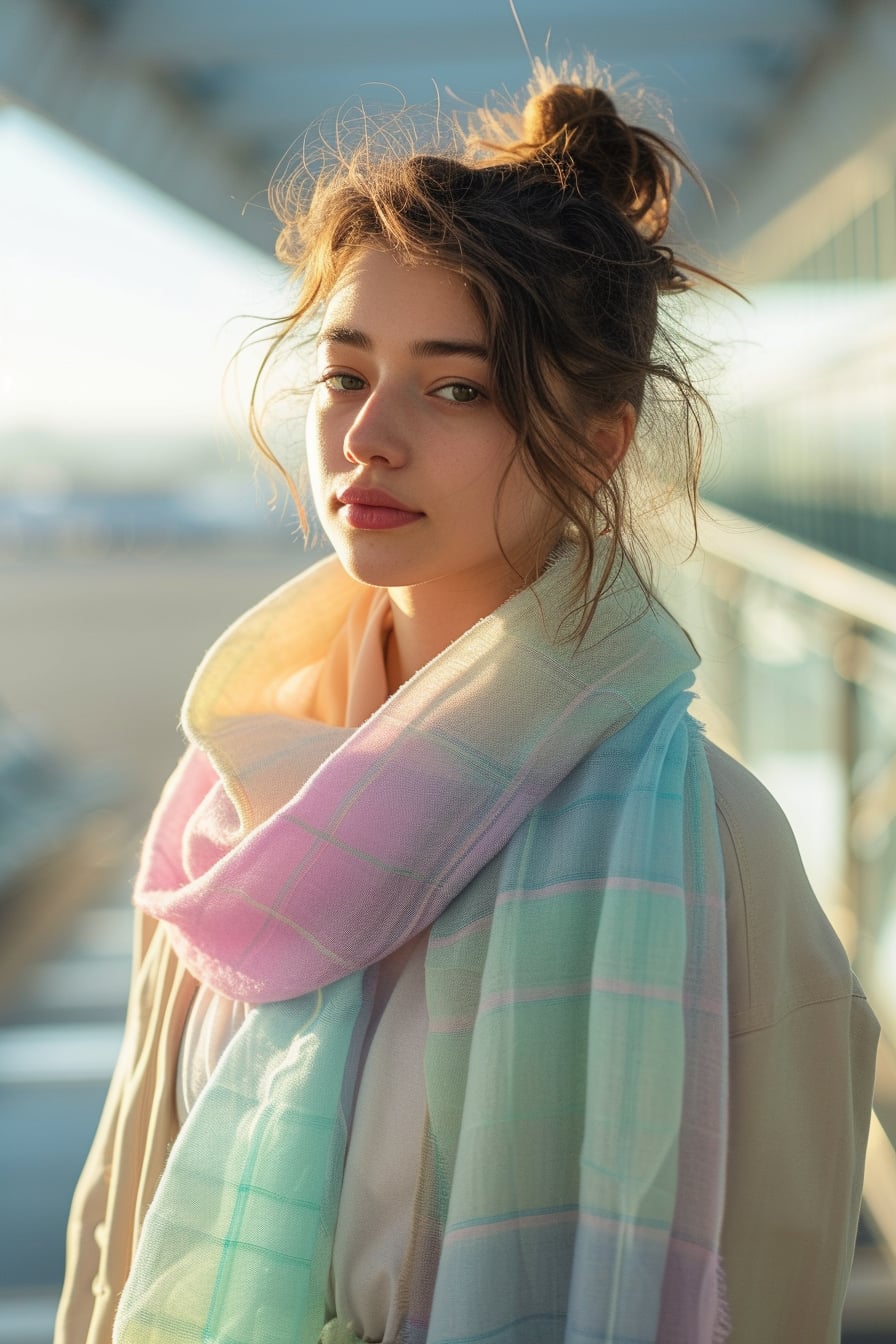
point(548, 811)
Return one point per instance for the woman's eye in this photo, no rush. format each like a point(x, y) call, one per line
point(461, 393)
point(343, 382)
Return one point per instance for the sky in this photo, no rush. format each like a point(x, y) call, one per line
point(119, 307)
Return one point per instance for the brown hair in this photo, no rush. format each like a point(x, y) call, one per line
point(556, 227)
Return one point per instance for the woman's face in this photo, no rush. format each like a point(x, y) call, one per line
point(406, 448)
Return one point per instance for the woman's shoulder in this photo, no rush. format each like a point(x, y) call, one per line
point(783, 954)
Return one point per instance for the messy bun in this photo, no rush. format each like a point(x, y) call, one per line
point(562, 110)
point(630, 166)
point(553, 216)
point(579, 130)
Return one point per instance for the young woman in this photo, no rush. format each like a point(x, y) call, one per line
point(476, 995)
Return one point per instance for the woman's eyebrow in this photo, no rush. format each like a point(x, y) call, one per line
point(420, 349)
point(345, 336)
point(426, 349)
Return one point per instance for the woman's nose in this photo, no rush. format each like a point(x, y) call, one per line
point(378, 432)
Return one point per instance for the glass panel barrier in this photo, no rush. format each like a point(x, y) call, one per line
point(798, 680)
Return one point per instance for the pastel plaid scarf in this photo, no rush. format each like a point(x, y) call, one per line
point(549, 811)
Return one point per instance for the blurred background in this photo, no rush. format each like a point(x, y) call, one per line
point(137, 140)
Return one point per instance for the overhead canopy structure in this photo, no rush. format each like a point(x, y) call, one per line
point(203, 98)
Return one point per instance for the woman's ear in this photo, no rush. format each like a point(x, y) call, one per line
point(611, 436)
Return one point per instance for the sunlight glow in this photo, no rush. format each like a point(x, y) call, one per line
point(121, 309)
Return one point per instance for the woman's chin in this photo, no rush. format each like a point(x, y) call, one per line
point(370, 564)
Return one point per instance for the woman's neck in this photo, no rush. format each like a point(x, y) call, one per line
point(429, 617)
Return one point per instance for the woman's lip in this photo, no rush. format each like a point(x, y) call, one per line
point(377, 499)
point(374, 517)
point(372, 510)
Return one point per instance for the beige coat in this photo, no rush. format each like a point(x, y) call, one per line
point(796, 1152)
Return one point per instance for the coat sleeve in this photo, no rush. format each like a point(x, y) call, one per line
point(803, 1041)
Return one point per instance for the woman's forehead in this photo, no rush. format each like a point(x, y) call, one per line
point(378, 290)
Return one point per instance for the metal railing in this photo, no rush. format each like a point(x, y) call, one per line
point(798, 680)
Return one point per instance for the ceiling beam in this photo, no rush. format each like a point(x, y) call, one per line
point(51, 62)
point(175, 33)
point(255, 100)
point(827, 150)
